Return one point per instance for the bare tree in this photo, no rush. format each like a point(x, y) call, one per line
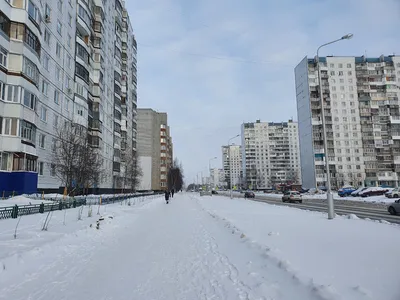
point(133, 172)
point(175, 176)
point(73, 158)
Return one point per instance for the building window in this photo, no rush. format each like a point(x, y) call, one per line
point(45, 87)
point(10, 126)
point(30, 100)
point(340, 73)
point(28, 131)
point(69, 40)
point(59, 5)
point(3, 57)
point(47, 11)
point(349, 73)
point(59, 27)
point(52, 170)
point(81, 72)
point(58, 50)
point(82, 53)
point(40, 168)
point(340, 66)
point(55, 120)
point(47, 37)
point(46, 62)
point(69, 19)
point(82, 13)
point(56, 97)
point(349, 66)
point(66, 104)
point(42, 141)
point(31, 70)
point(13, 93)
point(43, 114)
point(69, 61)
point(33, 13)
point(4, 23)
point(58, 74)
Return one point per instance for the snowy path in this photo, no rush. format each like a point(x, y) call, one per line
point(157, 251)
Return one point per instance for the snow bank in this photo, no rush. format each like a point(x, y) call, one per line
point(344, 258)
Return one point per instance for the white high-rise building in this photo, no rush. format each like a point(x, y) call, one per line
point(64, 61)
point(361, 105)
point(232, 164)
point(270, 154)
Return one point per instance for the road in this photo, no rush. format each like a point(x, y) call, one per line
point(373, 211)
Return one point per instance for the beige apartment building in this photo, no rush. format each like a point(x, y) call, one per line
point(154, 149)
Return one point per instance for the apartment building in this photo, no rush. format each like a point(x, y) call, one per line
point(270, 154)
point(361, 105)
point(232, 165)
point(155, 148)
point(64, 60)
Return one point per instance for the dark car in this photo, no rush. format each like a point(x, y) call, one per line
point(249, 194)
point(214, 192)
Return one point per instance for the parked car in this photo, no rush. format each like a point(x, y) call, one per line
point(373, 191)
point(346, 191)
point(249, 194)
point(214, 192)
point(395, 193)
point(292, 196)
point(358, 191)
point(394, 208)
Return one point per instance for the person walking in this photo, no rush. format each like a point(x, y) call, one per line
point(166, 196)
point(172, 193)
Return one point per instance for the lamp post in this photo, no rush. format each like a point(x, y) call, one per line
point(329, 197)
point(209, 168)
point(229, 160)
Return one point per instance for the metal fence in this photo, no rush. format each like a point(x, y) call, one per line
point(60, 204)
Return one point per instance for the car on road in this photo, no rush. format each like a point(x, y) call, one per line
point(395, 193)
point(373, 191)
point(292, 196)
point(394, 208)
point(346, 191)
point(249, 194)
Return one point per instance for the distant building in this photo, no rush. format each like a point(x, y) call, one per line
point(270, 154)
point(232, 164)
point(154, 148)
point(218, 177)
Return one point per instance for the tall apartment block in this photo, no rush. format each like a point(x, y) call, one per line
point(155, 149)
point(232, 165)
point(270, 154)
point(217, 177)
point(64, 60)
point(362, 116)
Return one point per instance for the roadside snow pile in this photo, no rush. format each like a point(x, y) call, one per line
point(344, 258)
point(20, 200)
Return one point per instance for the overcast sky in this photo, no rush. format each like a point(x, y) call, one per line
point(214, 64)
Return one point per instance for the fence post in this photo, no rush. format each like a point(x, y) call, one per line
point(13, 193)
point(3, 194)
point(41, 208)
point(14, 213)
point(42, 195)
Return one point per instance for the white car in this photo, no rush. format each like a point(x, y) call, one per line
point(394, 208)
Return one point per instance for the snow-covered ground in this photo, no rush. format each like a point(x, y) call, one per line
point(198, 248)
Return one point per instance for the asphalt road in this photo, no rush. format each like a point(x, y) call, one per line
point(365, 210)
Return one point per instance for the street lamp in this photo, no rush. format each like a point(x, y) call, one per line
point(229, 160)
point(329, 197)
point(209, 167)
